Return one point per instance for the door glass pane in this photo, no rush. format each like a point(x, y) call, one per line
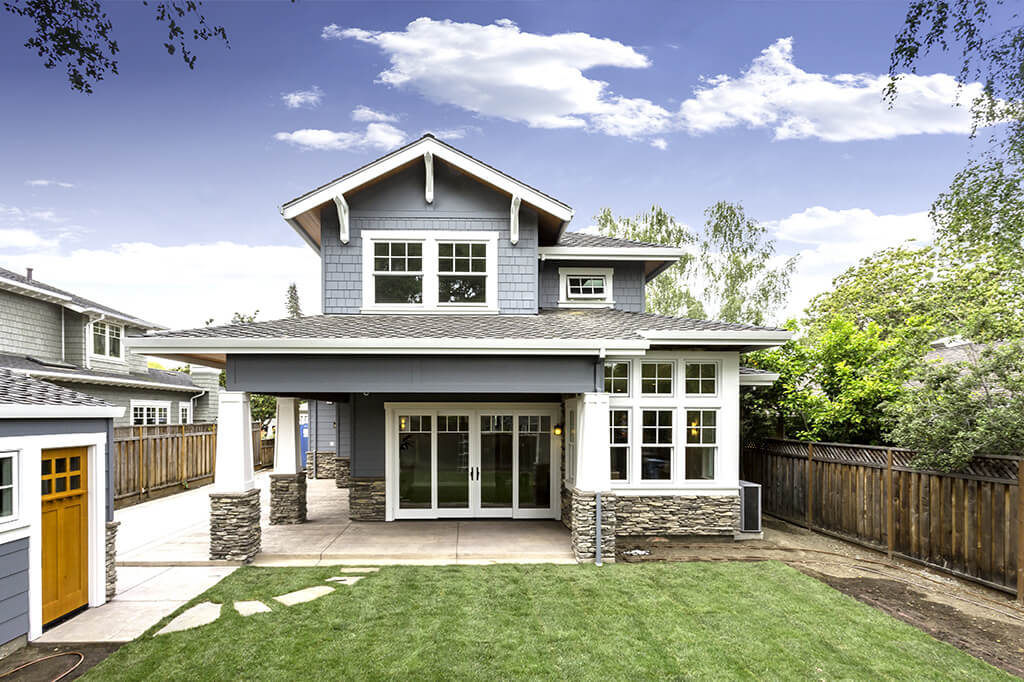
point(414, 462)
point(496, 462)
point(534, 462)
point(453, 462)
point(61, 485)
point(61, 465)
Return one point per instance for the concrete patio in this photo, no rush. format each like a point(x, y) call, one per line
point(174, 531)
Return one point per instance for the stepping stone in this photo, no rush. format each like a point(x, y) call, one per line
point(346, 580)
point(248, 608)
point(308, 594)
point(200, 614)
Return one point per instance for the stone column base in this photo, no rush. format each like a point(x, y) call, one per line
point(287, 498)
point(341, 472)
point(111, 556)
point(320, 464)
point(366, 499)
point(235, 526)
point(583, 535)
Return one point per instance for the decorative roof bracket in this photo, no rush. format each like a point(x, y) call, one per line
point(428, 160)
point(514, 219)
point(339, 201)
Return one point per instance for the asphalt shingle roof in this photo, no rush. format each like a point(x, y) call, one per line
point(754, 370)
point(75, 299)
point(30, 364)
point(19, 389)
point(603, 323)
point(582, 239)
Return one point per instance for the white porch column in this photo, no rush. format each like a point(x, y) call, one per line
point(235, 503)
point(234, 473)
point(287, 451)
point(593, 458)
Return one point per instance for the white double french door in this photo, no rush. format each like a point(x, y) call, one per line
point(496, 461)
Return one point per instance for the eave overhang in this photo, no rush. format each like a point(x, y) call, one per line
point(19, 411)
point(656, 259)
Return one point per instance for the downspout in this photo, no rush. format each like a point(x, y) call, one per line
point(192, 406)
point(597, 532)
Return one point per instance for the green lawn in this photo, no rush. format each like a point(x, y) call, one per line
point(691, 620)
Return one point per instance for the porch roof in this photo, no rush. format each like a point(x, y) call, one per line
point(23, 397)
point(550, 332)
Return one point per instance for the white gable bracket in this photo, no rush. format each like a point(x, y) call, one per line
point(428, 160)
point(342, 205)
point(514, 219)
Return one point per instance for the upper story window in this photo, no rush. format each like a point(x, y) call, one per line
point(8, 486)
point(701, 378)
point(106, 339)
point(616, 378)
point(656, 378)
point(585, 287)
point(429, 271)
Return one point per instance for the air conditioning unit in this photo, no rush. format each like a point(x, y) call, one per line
point(750, 507)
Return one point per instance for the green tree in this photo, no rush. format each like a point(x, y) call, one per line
point(292, 301)
point(952, 411)
point(79, 35)
point(725, 274)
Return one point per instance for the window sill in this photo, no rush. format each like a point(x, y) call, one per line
point(420, 310)
point(583, 303)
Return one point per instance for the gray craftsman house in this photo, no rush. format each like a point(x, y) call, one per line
point(57, 336)
point(476, 359)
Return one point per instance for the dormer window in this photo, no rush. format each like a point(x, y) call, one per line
point(585, 287)
point(106, 339)
point(429, 271)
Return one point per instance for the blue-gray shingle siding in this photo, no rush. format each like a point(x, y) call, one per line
point(627, 282)
point(30, 327)
point(13, 590)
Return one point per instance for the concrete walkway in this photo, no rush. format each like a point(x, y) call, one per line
point(174, 531)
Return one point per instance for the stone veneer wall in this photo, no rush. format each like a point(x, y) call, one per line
point(566, 507)
point(677, 515)
point(111, 558)
point(287, 498)
point(366, 499)
point(342, 472)
point(583, 531)
point(320, 464)
point(235, 526)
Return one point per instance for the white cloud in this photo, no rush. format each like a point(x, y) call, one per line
point(303, 98)
point(21, 238)
point(365, 114)
point(497, 70)
point(377, 136)
point(49, 183)
point(829, 241)
point(775, 93)
point(182, 286)
point(659, 143)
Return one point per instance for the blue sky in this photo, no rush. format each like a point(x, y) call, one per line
point(158, 193)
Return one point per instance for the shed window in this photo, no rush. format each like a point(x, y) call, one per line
point(586, 286)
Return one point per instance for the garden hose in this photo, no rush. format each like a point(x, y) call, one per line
point(81, 659)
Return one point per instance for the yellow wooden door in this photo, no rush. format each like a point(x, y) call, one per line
point(65, 531)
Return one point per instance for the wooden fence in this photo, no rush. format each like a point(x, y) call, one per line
point(156, 461)
point(969, 524)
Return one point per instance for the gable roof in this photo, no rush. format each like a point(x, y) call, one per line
point(303, 212)
point(155, 379)
point(33, 288)
point(551, 332)
point(25, 398)
point(582, 246)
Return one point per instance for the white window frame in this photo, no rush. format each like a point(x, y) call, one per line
point(91, 343)
point(15, 487)
point(430, 240)
point(629, 378)
point(714, 446)
point(187, 408)
point(158, 404)
point(565, 300)
point(672, 377)
point(628, 445)
point(718, 378)
point(673, 478)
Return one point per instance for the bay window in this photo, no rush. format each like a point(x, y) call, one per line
point(701, 444)
point(656, 378)
point(616, 378)
point(701, 378)
point(618, 444)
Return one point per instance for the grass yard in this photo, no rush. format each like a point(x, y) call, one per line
point(693, 620)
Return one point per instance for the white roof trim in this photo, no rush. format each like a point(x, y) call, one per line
point(34, 292)
point(19, 411)
point(68, 302)
point(760, 379)
point(718, 337)
point(110, 381)
point(614, 253)
point(414, 152)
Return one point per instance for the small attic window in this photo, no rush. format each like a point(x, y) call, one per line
point(585, 287)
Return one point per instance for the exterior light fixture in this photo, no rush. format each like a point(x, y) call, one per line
point(557, 430)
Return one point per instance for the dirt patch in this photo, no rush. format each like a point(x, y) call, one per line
point(996, 642)
point(49, 669)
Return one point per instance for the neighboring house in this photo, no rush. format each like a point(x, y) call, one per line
point(55, 335)
point(56, 504)
point(475, 359)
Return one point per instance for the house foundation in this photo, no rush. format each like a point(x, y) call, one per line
point(367, 499)
point(583, 531)
point(680, 515)
point(287, 498)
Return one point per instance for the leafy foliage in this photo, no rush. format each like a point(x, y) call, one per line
point(954, 410)
point(726, 273)
point(78, 35)
point(292, 301)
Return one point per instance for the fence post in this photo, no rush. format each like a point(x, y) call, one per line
point(181, 455)
point(142, 486)
point(808, 513)
point(1020, 530)
point(889, 521)
point(213, 464)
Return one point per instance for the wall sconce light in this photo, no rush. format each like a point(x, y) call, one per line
point(557, 430)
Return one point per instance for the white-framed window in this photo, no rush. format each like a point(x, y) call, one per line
point(701, 445)
point(585, 287)
point(184, 413)
point(616, 378)
point(8, 486)
point(618, 443)
point(107, 340)
point(701, 379)
point(656, 378)
point(150, 413)
point(409, 271)
point(657, 442)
